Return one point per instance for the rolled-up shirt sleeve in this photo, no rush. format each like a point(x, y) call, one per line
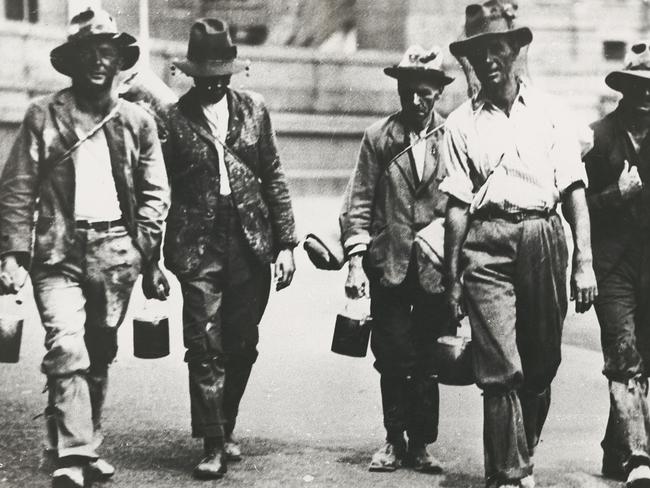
point(566, 155)
point(454, 156)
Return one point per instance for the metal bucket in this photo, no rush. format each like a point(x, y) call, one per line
point(11, 331)
point(351, 336)
point(453, 361)
point(151, 338)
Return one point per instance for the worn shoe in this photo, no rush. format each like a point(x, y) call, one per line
point(388, 458)
point(232, 449)
point(639, 477)
point(100, 470)
point(527, 482)
point(71, 477)
point(420, 459)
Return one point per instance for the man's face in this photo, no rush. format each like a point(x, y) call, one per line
point(418, 98)
point(636, 96)
point(211, 89)
point(493, 60)
point(99, 63)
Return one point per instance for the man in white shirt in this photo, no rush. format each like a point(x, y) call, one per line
point(509, 163)
point(392, 194)
point(100, 197)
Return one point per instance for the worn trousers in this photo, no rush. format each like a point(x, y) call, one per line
point(406, 323)
point(515, 290)
point(223, 303)
point(82, 302)
point(623, 313)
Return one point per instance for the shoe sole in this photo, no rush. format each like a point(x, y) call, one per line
point(201, 475)
point(95, 474)
point(428, 469)
point(231, 458)
point(382, 469)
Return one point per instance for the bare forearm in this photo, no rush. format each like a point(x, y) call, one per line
point(456, 225)
point(577, 214)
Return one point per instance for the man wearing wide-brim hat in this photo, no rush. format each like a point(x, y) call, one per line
point(510, 162)
point(618, 167)
point(230, 219)
point(89, 166)
point(391, 195)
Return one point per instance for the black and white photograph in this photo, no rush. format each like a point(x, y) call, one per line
point(324, 243)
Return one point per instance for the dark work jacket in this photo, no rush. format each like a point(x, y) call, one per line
point(31, 185)
point(385, 205)
point(615, 222)
point(257, 182)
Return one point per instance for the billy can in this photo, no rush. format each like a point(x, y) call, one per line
point(151, 331)
point(11, 328)
point(352, 329)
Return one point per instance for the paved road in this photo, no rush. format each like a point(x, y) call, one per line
point(309, 418)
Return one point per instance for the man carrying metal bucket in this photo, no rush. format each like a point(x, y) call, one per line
point(392, 194)
point(230, 219)
point(510, 162)
point(90, 167)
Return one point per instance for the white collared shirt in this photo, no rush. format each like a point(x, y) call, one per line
point(419, 151)
point(217, 115)
point(523, 161)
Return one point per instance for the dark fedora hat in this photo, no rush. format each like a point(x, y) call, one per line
point(636, 68)
point(417, 63)
point(210, 51)
point(91, 25)
point(493, 18)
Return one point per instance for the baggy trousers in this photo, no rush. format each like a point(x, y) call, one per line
point(223, 303)
point(82, 302)
point(406, 323)
point(623, 312)
point(515, 291)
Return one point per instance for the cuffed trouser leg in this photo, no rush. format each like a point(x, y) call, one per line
point(61, 302)
point(622, 312)
point(516, 298)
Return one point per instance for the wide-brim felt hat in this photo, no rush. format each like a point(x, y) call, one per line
point(636, 68)
point(417, 63)
point(492, 19)
point(93, 25)
point(210, 51)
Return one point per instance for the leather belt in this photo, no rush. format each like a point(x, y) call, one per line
point(99, 225)
point(515, 217)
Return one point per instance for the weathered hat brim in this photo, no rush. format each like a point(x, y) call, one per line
point(403, 72)
point(618, 80)
point(211, 67)
point(522, 35)
point(64, 57)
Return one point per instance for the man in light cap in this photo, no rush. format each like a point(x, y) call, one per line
point(392, 194)
point(90, 167)
point(510, 162)
point(618, 167)
point(230, 218)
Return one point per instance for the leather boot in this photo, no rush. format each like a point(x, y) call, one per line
point(213, 465)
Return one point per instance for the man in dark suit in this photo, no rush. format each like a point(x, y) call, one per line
point(392, 194)
point(89, 166)
point(618, 167)
point(230, 218)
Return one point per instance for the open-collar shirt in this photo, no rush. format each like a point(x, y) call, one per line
point(217, 115)
point(521, 161)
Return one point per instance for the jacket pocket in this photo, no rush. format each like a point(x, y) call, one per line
point(186, 238)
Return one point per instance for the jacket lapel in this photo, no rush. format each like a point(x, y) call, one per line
point(234, 121)
point(190, 108)
point(61, 113)
point(396, 142)
point(114, 132)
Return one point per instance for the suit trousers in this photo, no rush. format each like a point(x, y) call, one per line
point(624, 316)
point(223, 303)
point(82, 304)
point(406, 323)
point(515, 292)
